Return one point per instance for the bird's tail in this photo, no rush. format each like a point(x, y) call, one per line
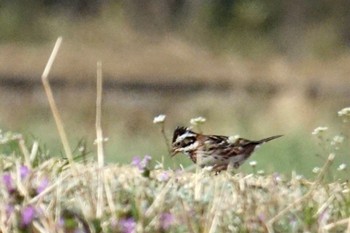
point(268, 139)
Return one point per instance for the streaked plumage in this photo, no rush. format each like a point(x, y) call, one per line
point(214, 150)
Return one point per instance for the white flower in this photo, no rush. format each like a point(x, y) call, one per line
point(233, 139)
point(344, 112)
point(319, 130)
point(197, 120)
point(341, 167)
point(253, 163)
point(316, 170)
point(159, 119)
point(261, 172)
point(337, 140)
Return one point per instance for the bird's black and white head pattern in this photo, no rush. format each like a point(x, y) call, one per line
point(184, 140)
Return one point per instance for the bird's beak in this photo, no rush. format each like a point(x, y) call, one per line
point(173, 152)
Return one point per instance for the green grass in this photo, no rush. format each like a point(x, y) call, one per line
point(148, 198)
point(44, 193)
point(298, 151)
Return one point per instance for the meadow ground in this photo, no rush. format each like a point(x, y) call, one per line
point(296, 183)
point(42, 194)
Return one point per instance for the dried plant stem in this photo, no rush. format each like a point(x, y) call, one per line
point(159, 200)
point(99, 142)
point(306, 196)
point(99, 134)
point(338, 223)
point(49, 189)
point(108, 191)
point(52, 102)
point(198, 184)
point(34, 151)
point(162, 130)
point(25, 152)
point(186, 217)
point(19, 183)
point(214, 212)
point(38, 227)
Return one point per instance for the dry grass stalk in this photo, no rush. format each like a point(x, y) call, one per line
point(338, 223)
point(54, 109)
point(99, 142)
point(305, 197)
point(25, 151)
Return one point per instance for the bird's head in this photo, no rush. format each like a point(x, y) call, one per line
point(184, 140)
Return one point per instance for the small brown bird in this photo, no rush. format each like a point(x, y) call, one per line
point(214, 150)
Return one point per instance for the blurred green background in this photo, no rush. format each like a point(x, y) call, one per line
point(253, 68)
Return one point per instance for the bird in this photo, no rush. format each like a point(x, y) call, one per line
point(215, 151)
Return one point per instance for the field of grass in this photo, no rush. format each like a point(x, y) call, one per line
point(43, 194)
point(78, 192)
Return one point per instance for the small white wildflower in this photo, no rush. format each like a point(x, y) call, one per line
point(344, 112)
point(316, 170)
point(341, 167)
point(253, 163)
point(233, 139)
point(261, 172)
point(319, 130)
point(159, 119)
point(197, 121)
point(337, 140)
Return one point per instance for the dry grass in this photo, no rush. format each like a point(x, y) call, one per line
point(222, 203)
point(43, 194)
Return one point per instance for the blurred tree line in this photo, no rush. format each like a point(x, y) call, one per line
point(289, 27)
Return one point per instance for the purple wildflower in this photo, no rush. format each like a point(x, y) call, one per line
point(141, 164)
point(136, 160)
point(24, 171)
point(166, 220)
point(8, 182)
point(128, 225)
point(42, 186)
point(27, 215)
point(262, 217)
point(164, 176)
point(147, 158)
